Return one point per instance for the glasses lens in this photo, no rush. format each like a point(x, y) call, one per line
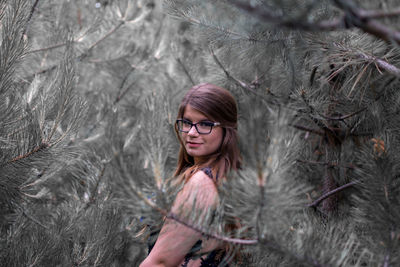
point(184, 126)
point(204, 127)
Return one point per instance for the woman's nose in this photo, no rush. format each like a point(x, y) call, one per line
point(193, 131)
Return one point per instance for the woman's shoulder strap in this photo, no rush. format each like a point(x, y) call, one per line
point(207, 170)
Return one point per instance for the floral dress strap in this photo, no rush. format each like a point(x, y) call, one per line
point(207, 170)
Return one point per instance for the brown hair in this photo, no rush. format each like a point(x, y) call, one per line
point(218, 105)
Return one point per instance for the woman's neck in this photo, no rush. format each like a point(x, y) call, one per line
point(199, 160)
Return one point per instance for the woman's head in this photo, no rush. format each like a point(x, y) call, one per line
point(207, 129)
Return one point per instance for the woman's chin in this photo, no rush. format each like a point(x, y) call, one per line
point(194, 152)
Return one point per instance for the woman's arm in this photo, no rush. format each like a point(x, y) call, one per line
point(176, 240)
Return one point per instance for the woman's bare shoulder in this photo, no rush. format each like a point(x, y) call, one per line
point(201, 180)
point(200, 189)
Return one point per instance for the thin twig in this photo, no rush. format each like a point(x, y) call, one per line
point(237, 81)
point(94, 192)
point(204, 232)
point(192, 20)
point(382, 64)
point(241, 83)
point(30, 217)
point(48, 48)
point(378, 14)
point(340, 118)
point(38, 148)
point(185, 70)
point(304, 128)
point(326, 195)
point(30, 17)
point(387, 260)
point(95, 189)
point(119, 94)
point(329, 164)
point(110, 32)
point(379, 63)
point(34, 220)
point(84, 54)
point(318, 122)
point(261, 186)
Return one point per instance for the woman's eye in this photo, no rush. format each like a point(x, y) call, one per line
point(205, 124)
point(187, 123)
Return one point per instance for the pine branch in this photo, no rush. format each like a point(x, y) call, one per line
point(328, 194)
point(31, 218)
point(121, 93)
point(179, 13)
point(387, 260)
point(329, 203)
point(334, 133)
point(94, 193)
point(261, 186)
point(36, 149)
point(229, 76)
point(172, 216)
point(49, 47)
point(37, 181)
point(108, 34)
point(341, 118)
point(379, 14)
point(82, 55)
point(381, 63)
point(329, 164)
point(237, 81)
point(319, 123)
point(96, 188)
point(238, 241)
point(270, 17)
point(185, 70)
point(30, 17)
point(304, 128)
point(353, 17)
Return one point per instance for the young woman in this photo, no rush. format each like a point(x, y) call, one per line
point(207, 131)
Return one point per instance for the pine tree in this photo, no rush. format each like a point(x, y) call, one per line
point(88, 97)
point(317, 88)
point(72, 102)
point(86, 94)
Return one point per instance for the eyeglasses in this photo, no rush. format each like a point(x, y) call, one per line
point(202, 127)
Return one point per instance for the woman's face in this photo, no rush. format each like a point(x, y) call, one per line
point(200, 145)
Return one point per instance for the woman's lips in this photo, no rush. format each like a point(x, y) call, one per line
point(192, 145)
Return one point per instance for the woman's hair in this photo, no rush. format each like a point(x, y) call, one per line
point(218, 105)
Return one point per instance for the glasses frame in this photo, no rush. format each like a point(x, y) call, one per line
point(195, 126)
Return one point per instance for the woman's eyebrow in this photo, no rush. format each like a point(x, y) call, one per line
point(185, 118)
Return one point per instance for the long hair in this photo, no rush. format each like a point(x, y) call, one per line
point(218, 105)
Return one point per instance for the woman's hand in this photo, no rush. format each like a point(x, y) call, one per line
point(175, 240)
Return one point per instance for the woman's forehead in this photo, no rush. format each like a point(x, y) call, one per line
point(193, 114)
